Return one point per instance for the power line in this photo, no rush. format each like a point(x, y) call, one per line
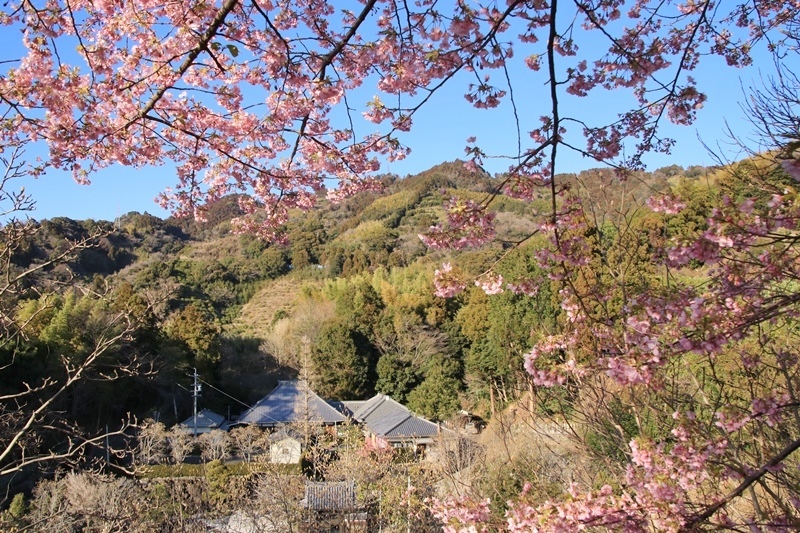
point(225, 393)
point(196, 387)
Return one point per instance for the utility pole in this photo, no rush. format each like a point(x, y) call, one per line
point(196, 388)
point(108, 453)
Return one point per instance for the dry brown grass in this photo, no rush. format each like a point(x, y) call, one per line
point(257, 315)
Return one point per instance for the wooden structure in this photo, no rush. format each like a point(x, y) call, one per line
point(332, 507)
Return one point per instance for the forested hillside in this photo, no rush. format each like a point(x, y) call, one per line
point(348, 301)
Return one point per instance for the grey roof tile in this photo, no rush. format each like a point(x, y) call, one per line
point(414, 427)
point(387, 418)
point(288, 403)
point(384, 424)
point(206, 419)
point(330, 496)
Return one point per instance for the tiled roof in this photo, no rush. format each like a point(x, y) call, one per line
point(347, 407)
point(386, 418)
point(330, 496)
point(206, 419)
point(383, 423)
point(288, 403)
point(367, 408)
point(414, 427)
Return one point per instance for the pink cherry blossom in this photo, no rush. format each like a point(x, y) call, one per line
point(491, 283)
point(448, 281)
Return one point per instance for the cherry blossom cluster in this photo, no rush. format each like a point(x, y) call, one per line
point(749, 255)
point(667, 204)
point(461, 515)
point(254, 97)
point(241, 95)
point(491, 283)
point(238, 95)
point(469, 224)
point(448, 281)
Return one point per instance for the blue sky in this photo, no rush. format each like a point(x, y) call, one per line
point(439, 134)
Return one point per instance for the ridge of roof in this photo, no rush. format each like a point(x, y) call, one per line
point(385, 415)
point(282, 402)
point(369, 407)
point(204, 416)
point(379, 399)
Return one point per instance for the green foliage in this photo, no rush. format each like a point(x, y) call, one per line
point(502, 328)
point(556, 402)
point(344, 362)
point(163, 471)
point(359, 305)
point(197, 329)
point(391, 209)
point(359, 249)
point(472, 317)
point(162, 505)
point(669, 171)
point(306, 239)
point(71, 324)
point(218, 477)
point(503, 478)
point(698, 199)
point(390, 334)
point(18, 507)
point(499, 203)
point(617, 423)
point(396, 378)
point(437, 397)
point(757, 179)
point(486, 360)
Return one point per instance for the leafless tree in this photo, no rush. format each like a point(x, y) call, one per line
point(32, 431)
point(277, 499)
point(410, 341)
point(288, 337)
point(774, 111)
point(248, 440)
point(280, 343)
point(151, 443)
point(180, 443)
point(215, 445)
point(87, 502)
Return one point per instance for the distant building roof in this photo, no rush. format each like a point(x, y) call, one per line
point(290, 401)
point(330, 496)
point(206, 420)
point(390, 420)
point(347, 407)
